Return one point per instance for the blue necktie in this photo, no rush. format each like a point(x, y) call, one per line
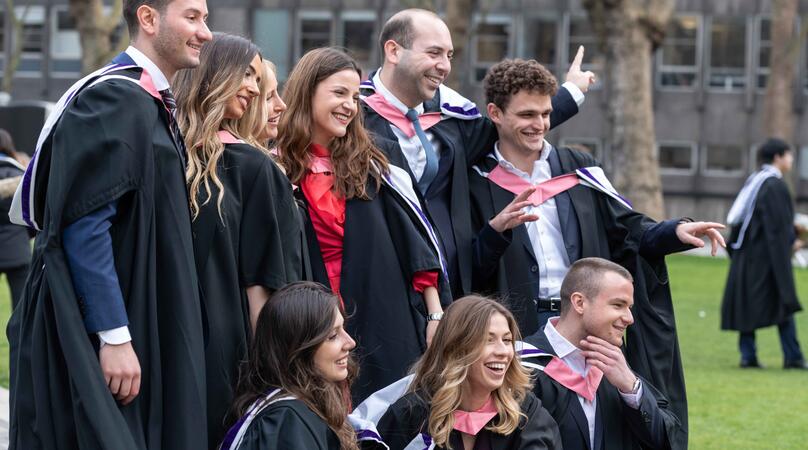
point(431, 168)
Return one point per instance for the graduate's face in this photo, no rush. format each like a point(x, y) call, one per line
point(180, 34)
point(608, 314)
point(331, 357)
point(274, 104)
point(334, 105)
point(238, 104)
point(488, 373)
point(523, 123)
point(420, 70)
point(785, 162)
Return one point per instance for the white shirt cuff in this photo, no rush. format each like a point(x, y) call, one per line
point(115, 336)
point(632, 400)
point(575, 91)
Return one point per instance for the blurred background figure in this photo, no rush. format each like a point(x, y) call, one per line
point(14, 239)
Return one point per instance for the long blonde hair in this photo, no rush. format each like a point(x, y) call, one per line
point(354, 156)
point(202, 94)
point(442, 371)
point(252, 123)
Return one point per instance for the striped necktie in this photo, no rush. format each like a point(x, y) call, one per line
point(171, 104)
point(431, 168)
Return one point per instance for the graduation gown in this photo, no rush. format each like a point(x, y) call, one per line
point(462, 142)
point(593, 224)
point(112, 143)
point(406, 422)
point(14, 239)
point(617, 425)
point(289, 425)
point(760, 289)
point(255, 242)
point(383, 247)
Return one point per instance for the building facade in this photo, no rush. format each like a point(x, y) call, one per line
point(709, 76)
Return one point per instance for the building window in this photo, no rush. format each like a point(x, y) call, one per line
point(587, 145)
point(32, 19)
point(724, 159)
point(727, 53)
point(581, 33)
point(358, 29)
point(803, 163)
point(539, 41)
point(271, 31)
point(678, 59)
point(677, 157)
point(764, 51)
point(65, 45)
point(490, 43)
point(315, 30)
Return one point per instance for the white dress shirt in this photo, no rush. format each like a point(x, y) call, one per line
point(574, 359)
point(545, 234)
point(121, 335)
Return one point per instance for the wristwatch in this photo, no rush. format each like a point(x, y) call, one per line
point(434, 317)
point(636, 387)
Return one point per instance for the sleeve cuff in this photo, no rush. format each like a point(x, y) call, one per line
point(115, 336)
point(632, 400)
point(575, 92)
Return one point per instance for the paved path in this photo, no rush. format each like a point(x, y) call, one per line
point(3, 419)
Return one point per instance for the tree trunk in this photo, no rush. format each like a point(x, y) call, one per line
point(628, 32)
point(95, 31)
point(778, 117)
point(458, 19)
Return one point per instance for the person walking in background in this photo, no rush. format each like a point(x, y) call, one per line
point(14, 239)
point(238, 199)
point(107, 343)
point(760, 290)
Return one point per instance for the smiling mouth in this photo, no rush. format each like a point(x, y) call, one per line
point(196, 47)
point(435, 80)
point(342, 362)
point(342, 117)
point(497, 368)
point(274, 120)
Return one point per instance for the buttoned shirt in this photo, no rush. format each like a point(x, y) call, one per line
point(574, 359)
point(546, 238)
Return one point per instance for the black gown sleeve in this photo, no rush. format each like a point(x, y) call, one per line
point(653, 423)
point(539, 430)
point(270, 253)
point(282, 428)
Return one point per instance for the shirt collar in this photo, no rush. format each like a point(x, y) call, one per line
point(545, 153)
point(560, 344)
point(392, 99)
point(160, 81)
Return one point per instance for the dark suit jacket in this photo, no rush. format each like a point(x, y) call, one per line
point(617, 425)
point(463, 142)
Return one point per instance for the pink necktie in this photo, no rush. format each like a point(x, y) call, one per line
point(585, 387)
point(544, 190)
point(472, 422)
point(397, 118)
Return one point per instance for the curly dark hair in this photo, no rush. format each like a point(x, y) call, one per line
point(509, 76)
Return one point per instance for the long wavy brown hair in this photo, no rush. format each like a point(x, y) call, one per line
point(354, 156)
point(290, 328)
point(442, 371)
point(202, 94)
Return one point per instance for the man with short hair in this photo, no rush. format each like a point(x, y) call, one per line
point(107, 345)
point(439, 131)
point(537, 209)
point(583, 378)
point(760, 289)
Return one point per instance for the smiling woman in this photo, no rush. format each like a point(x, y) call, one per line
point(247, 235)
point(468, 391)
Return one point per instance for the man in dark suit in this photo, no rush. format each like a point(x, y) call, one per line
point(528, 235)
point(760, 289)
point(582, 377)
point(440, 133)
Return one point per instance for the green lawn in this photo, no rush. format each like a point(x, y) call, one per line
point(729, 407)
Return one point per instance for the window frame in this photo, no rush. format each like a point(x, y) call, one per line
point(696, 70)
point(748, 55)
point(694, 157)
point(723, 173)
point(493, 19)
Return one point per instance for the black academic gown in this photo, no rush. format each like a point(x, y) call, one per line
point(112, 143)
point(760, 289)
point(462, 142)
point(409, 416)
point(592, 224)
point(382, 250)
point(255, 242)
point(289, 425)
point(617, 426)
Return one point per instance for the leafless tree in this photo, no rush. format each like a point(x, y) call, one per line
point(96, 28)
point(778, 117)
point(628, 32)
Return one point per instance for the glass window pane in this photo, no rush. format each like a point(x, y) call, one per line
point(2, 33)
point(357, 40)
point(728, 43)
point(683, 28)
point(271, 28)
point(32, 35)
point(676, 156)
point(678, 54)
point(540, 40)
point(314, 33)
point(492, 42)
point(725, 158)
point(681, 79)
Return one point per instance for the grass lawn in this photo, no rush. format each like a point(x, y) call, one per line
point(729, 407)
